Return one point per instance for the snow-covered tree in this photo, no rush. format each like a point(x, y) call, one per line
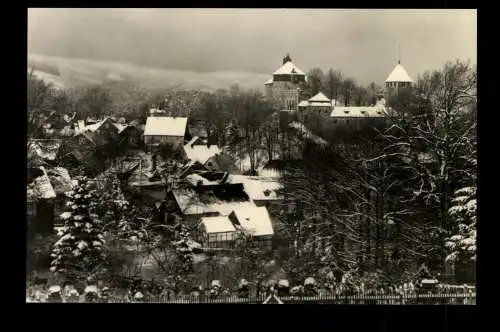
point(430, 140)
point(79, 251)
point(463, 244)
point(184, 249)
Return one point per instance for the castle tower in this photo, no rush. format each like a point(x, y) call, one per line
point(284, 86)
point(398, 78)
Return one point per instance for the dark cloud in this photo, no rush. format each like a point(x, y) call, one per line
point(362, 43)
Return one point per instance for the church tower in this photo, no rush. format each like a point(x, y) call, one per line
point(284, 86)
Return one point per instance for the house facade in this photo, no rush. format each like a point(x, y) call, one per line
point(319, 104)
point(163, 129)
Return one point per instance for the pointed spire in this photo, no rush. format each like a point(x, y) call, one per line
point(399, 52)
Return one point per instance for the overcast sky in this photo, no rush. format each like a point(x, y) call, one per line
point(361, 43)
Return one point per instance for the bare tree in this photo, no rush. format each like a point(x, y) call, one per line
point(315, 80)
point(348, 86)
point(333, 83)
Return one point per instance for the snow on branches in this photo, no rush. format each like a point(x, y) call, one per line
point(78, 251)
point(463, 244)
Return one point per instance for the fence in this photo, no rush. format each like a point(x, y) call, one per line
point(415, 299)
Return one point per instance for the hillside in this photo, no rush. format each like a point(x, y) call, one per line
point(77, 72)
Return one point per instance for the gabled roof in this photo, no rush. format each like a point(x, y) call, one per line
point(165, 126)
point(217, 224)
point(269, 81)
point(288, 68)
point(399, 74)
point(320, 97)
point(254, 220)
point(200, 152)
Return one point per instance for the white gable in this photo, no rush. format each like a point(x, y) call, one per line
point(320, 97)
point(165, 126)
point(399, 74)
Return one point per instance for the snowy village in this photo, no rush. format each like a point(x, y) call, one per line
point(311, 188)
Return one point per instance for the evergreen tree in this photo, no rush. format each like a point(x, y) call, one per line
point(184, 250)
point(463, 244)
point(79, 251)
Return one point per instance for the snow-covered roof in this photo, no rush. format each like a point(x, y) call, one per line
point(165, 126)
point(269, 81)
point(307, 103)
point(320, 97)
point(254, 220)
point(217, 224)
point(257, 188)
point(399, 74)
point(190, 204)
point(288, 68)
point(200, 153)
point(319, 100)
point(358, 112)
